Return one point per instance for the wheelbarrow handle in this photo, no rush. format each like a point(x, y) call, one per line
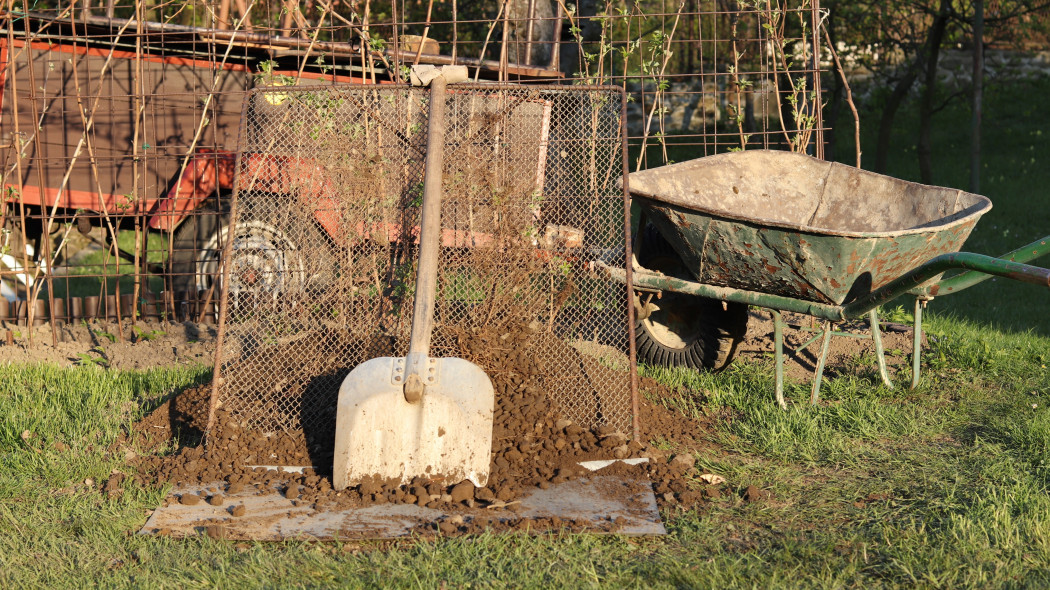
point(959, 282)
point(987, 265)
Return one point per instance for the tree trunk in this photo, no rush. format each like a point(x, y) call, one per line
point(889, 112)
point(978, 92)
point(936, 36)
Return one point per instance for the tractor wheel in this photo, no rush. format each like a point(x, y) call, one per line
point(680, 330)
point(269, 255)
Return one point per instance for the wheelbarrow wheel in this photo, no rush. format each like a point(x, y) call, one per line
point(679, 330)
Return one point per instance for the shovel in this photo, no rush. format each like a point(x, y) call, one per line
point(399, 418)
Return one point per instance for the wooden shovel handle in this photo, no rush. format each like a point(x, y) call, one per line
point(430, 224)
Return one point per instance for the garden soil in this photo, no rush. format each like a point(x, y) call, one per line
point(534, 446)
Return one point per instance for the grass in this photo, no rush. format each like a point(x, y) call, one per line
point(86, 274)
point(943, 486)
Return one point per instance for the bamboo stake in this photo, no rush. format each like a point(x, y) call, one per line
point(485, 45)
point(426, 31)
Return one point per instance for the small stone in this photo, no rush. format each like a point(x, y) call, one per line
point(238, 510)
point(755, 494)
point(456, 519)
point(189, 499)
point(215, 500)
point(216, 531)
point(683, 462)
point(621, 452)
point(447, 527)
point(563, 423)
point(291, 492)
point(462, 491)
point(485, 495)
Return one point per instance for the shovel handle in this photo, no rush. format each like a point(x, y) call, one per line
point(430, 229)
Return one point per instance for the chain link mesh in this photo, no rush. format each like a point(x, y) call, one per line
point(321, 255)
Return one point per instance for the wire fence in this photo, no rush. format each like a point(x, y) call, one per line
point(119, 126)
point(323, 244)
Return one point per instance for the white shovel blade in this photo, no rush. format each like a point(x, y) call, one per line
point(447, 435)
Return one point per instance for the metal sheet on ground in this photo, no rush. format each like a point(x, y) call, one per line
point(613, 504)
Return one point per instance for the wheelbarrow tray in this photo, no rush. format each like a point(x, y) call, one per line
point(791, 225)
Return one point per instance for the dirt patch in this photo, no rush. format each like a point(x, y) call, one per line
point(843, 352)
point(140, 345)
point(156, 344)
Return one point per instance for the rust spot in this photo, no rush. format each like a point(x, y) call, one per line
point(771, 269)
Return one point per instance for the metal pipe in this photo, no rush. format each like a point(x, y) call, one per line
point(916, 342)
point(1036, 249)
point(976, 262)
point(818, 374)
point(778, 357)
point(628, 252)
point(880, 353)
point(660, 282)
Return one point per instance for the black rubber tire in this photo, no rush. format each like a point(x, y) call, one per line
point(686, 331)
point(195, 250)
point(265, 241)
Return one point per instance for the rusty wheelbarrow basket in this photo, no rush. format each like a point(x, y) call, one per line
point(787, 232)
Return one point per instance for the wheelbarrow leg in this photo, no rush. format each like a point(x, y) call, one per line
point(814, 395)
point(916, 343)
point(880, 355)
point(778, 357)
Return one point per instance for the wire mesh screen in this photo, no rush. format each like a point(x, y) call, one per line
point(322, 246)
point(118, 124)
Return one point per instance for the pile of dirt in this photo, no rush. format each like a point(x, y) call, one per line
point(533, 444)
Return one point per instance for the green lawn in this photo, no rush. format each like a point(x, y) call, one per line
point(944, 486)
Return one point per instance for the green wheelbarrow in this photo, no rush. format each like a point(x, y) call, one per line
point(788, 232)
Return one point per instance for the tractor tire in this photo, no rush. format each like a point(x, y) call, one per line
point(684, 330)
point(270, 253)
